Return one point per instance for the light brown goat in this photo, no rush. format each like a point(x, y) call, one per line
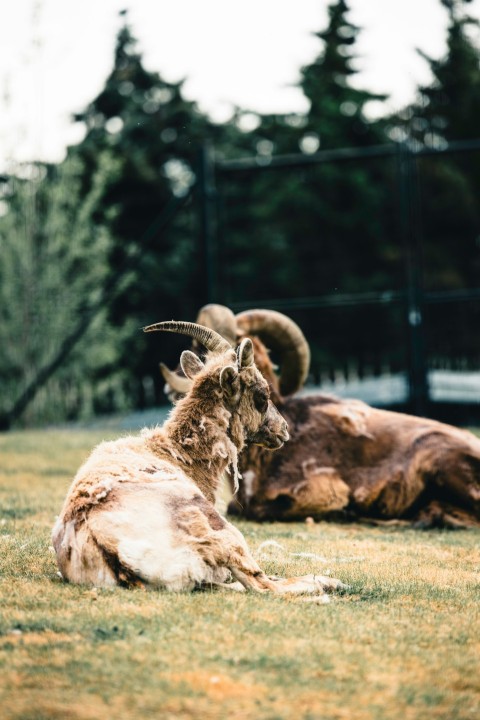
point(141, 511)
point(345, 459)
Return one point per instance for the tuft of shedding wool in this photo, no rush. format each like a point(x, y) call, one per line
point(233, 470)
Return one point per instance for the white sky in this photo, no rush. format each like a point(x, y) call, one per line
point(56, 54)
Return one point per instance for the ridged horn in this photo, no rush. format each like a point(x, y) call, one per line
point(221, 319)
point(282, 335)
point(178, 383)
point(210, 339)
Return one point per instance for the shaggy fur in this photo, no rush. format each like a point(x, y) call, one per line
point(140, 510)
point(346, 460)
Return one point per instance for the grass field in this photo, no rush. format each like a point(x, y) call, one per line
point(403, 643)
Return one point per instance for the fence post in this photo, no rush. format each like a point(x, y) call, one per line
point(417, 372)
point(208, 220)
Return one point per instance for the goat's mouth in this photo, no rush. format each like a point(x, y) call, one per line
point(272, 442)
point(269, 438)
point(269, 445)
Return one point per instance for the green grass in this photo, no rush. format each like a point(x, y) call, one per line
point(403, 643)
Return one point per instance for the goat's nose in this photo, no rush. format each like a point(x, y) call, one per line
point(285, 433)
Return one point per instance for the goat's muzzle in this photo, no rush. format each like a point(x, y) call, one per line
point(273, 432)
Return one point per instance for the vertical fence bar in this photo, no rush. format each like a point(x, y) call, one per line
point(410, 233)
point(208, 220)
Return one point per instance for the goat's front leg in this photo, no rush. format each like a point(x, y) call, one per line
point(220, 545)
point(258, 581)
point(247, 571)
point(255, 580)
point(303, 585)
point(243, 565)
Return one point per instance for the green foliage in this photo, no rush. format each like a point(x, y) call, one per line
point(449, 107)
point(152, 134)
point(94, 243)
point(87, 244)
point(324, 229)
point(317, 226)
point(53, 262)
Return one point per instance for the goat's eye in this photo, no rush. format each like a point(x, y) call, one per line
point(261, 401)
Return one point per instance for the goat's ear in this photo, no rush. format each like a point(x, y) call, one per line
point(245, 353)
point(229, 381)
point(190, 364)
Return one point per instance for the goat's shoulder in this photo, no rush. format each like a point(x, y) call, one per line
point(123, 459)
point(112, 464)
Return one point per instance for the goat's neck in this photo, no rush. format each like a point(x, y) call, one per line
point(201, 437)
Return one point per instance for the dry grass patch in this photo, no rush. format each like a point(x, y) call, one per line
point(402, 643)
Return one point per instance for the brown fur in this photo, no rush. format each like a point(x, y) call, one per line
point(346, 460)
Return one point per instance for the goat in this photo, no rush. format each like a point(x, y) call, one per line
point(346, 460)
point(140, 511)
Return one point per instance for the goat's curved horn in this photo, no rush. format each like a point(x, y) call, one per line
point(177, 382)
point(282, 335)
point(219, 318)
point(210, 339)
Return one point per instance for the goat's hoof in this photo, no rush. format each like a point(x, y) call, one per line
point(329, 584)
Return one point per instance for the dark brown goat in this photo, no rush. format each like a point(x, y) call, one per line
point(347, 460)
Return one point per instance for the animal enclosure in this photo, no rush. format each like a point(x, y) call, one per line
point(374, 251)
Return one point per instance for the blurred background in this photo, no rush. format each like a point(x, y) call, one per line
point(321, 159)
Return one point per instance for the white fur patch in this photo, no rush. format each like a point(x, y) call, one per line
point(248, 480)
point(143, 530)
point(227, 450)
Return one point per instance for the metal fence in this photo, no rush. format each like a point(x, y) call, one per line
point(405, 342)
point(434, 361)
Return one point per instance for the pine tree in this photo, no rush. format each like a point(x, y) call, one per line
point(336, 112)
point(153, 134)
point(447, 110)
point(299, 217)
point(324, 229)
point(449, 107)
